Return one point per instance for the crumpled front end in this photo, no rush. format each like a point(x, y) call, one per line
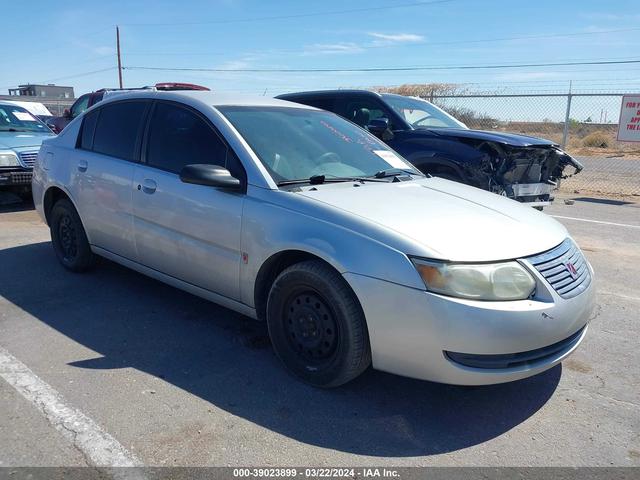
point(528, 174)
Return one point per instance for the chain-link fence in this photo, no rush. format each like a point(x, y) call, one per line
point(584, 124)
point(55, 105)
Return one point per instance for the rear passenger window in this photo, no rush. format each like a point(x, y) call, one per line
point(88, 128)
point(117, 129)
point(179, 137)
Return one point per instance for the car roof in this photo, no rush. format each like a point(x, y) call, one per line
point(210, 99)
point(9, 103)
point(320, 93)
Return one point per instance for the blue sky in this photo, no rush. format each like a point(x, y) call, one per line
point(61, 42)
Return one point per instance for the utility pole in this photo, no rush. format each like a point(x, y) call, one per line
point(119, 60)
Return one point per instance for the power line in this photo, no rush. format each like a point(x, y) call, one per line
point(379, 69)
point(502, 39)
point(62, 45)
point(77, 75)
point(403, 45)
point(291, 16)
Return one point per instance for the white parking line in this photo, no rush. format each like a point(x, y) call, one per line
point(597, 221)
point(98, 447)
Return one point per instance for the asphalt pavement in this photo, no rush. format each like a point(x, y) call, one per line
point(112, 361)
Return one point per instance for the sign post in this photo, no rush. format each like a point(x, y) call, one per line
point(629, 124)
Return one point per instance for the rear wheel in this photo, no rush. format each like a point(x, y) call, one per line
point(69, 238)
point(317, 326)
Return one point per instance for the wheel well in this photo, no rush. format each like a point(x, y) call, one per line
point(51, 196)
point(270, 270)
point(436, 168)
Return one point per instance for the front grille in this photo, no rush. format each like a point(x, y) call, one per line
point(521, 359)
point(29, 158)
point(556, 267)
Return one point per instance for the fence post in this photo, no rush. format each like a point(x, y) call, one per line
point(567, 117)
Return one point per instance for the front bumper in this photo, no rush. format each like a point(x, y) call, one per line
point(15, 177)
point(533, 194)
point(412, 330)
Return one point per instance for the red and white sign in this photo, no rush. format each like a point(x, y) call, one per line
point(629, 124)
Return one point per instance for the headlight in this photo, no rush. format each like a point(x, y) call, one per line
point(8, 159)
point(488, 281)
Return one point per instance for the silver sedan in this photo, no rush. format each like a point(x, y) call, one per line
point(298, 218)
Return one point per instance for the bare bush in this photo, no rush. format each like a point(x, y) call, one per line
point(597, 139)
point(471, 118)
point(423, 90)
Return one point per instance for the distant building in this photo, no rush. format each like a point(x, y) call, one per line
point(43, 91)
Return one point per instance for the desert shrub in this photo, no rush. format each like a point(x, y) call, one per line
point(469, 117)
point(597, 139)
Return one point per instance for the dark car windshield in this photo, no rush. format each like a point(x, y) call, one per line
point(420, 113)
point(297, 143)
point(17, 119)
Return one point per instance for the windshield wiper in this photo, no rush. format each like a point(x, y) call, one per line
point(320, 179)
point(394, 172)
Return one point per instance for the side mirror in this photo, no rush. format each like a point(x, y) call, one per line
point(380, 128)
point(66, 113)
point(209, 175)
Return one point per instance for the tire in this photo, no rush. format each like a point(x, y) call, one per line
point(69, 238)
point(316, 325)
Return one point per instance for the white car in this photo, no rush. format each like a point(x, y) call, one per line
point(34, 108)
point(299, 218)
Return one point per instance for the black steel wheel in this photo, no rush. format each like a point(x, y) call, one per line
point(311, 327)
point(69, 238)
point(317, 326)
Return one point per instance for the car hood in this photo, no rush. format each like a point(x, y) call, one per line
point(447, 220)
point(512, 139)
point(22, 139)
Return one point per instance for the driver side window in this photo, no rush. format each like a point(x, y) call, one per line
point(361, 112)
point(80, 106)
point(178, 137)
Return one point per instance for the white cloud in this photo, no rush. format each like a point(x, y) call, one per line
point(331, 48)
point(611, 17)
point(104, 50)
point(235, 65)
point(397, 37)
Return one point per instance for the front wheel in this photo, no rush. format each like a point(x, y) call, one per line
point(317, 326)
point(69, 238)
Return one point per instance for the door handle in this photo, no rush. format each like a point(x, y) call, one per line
point(82, 166)
point(148, 186)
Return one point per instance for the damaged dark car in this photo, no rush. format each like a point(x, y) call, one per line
point(523, 168)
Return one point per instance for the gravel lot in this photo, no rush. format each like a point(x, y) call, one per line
point(180, 381)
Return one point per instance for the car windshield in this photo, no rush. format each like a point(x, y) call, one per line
point(17, 119)
point(420, 113)
point(297, 144)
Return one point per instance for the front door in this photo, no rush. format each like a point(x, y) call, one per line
point(190, 232)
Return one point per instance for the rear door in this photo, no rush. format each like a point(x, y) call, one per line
point(190, 232)
point(107, 151)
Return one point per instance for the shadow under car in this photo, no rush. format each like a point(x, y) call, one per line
point(226, 359)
